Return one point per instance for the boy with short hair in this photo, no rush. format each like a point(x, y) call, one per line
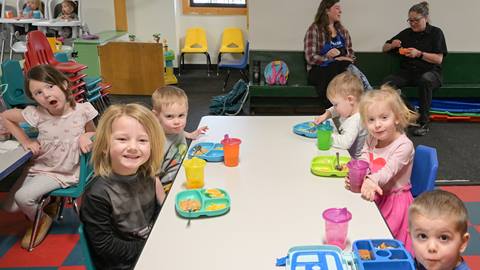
point(344, 92)
point(170, 106)
point(438, 222)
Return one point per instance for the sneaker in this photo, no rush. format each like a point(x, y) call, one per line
point(43, 227)
point(420, 130)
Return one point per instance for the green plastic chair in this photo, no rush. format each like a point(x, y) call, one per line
point(85, 250)
point(73, 192)
point(12, 75)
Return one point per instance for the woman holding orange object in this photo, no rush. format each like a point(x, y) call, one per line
point(422, 47)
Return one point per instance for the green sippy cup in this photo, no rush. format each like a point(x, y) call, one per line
point(324, 136)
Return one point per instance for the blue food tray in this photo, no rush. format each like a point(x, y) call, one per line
point(307, 129)
point(205, 199)
point(393, 257)
point(326, 257)
point(208, 151)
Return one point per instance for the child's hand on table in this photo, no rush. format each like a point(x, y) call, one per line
point(194, 135)
point(347, 183)
point(33, 146)
point(369, 188)
point(320, 119)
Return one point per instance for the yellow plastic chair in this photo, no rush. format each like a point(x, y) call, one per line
point(195, 42)
point(232, 42)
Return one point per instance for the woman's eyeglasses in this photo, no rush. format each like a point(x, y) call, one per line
point(414, 20)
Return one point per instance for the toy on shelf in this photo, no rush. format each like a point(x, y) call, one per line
point(156, 37)
point(169, 56)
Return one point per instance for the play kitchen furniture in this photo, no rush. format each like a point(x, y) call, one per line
point(275, 202)
point(133, 68)
point(88, 50)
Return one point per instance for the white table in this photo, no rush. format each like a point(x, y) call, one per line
point(11, 160)
point(276, 202)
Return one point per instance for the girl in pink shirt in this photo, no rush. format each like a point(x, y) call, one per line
point(390, 155)
point(64, 130)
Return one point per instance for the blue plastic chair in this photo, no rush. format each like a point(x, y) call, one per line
point(73, 192)
point(85, 250)
point(240, 64)
point(12, 75)
point(424, 171)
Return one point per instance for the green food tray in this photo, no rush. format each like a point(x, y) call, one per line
point(325, 166)
point(205, 200)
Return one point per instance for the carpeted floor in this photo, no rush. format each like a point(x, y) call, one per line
point(60, 250)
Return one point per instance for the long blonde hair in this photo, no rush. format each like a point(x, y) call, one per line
point(390, 96)
point(101, 159)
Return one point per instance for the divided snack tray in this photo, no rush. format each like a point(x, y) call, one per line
point(208, 151)
point(384, 254)
point(202, 202)
point(307, 129)
point(328, 257)
point(325, 166)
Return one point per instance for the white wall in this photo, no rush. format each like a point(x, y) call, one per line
point(99, 15)
point(279, 25)
point(147, 17)
point(214, 25)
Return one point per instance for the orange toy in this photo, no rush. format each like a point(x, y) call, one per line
point(403, 51)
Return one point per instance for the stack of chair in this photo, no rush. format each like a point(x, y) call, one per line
point(84, 89)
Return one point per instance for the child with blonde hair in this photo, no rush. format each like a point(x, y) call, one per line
point(344, 92)
point(438, 222)
point(64, 130)
point(29, 9)
point(31, 6)
point(390, 154)
point(120, 206)
point(170, 106)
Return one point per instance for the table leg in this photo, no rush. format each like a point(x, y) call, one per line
point(11, 44)
point(3, 49)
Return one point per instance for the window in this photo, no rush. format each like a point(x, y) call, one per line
point(215, 7)
point(219, 3)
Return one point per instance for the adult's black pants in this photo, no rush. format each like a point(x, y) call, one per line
point(320, 77)
point(426, 83)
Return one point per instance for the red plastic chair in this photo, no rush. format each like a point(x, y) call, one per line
point(40, 51)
